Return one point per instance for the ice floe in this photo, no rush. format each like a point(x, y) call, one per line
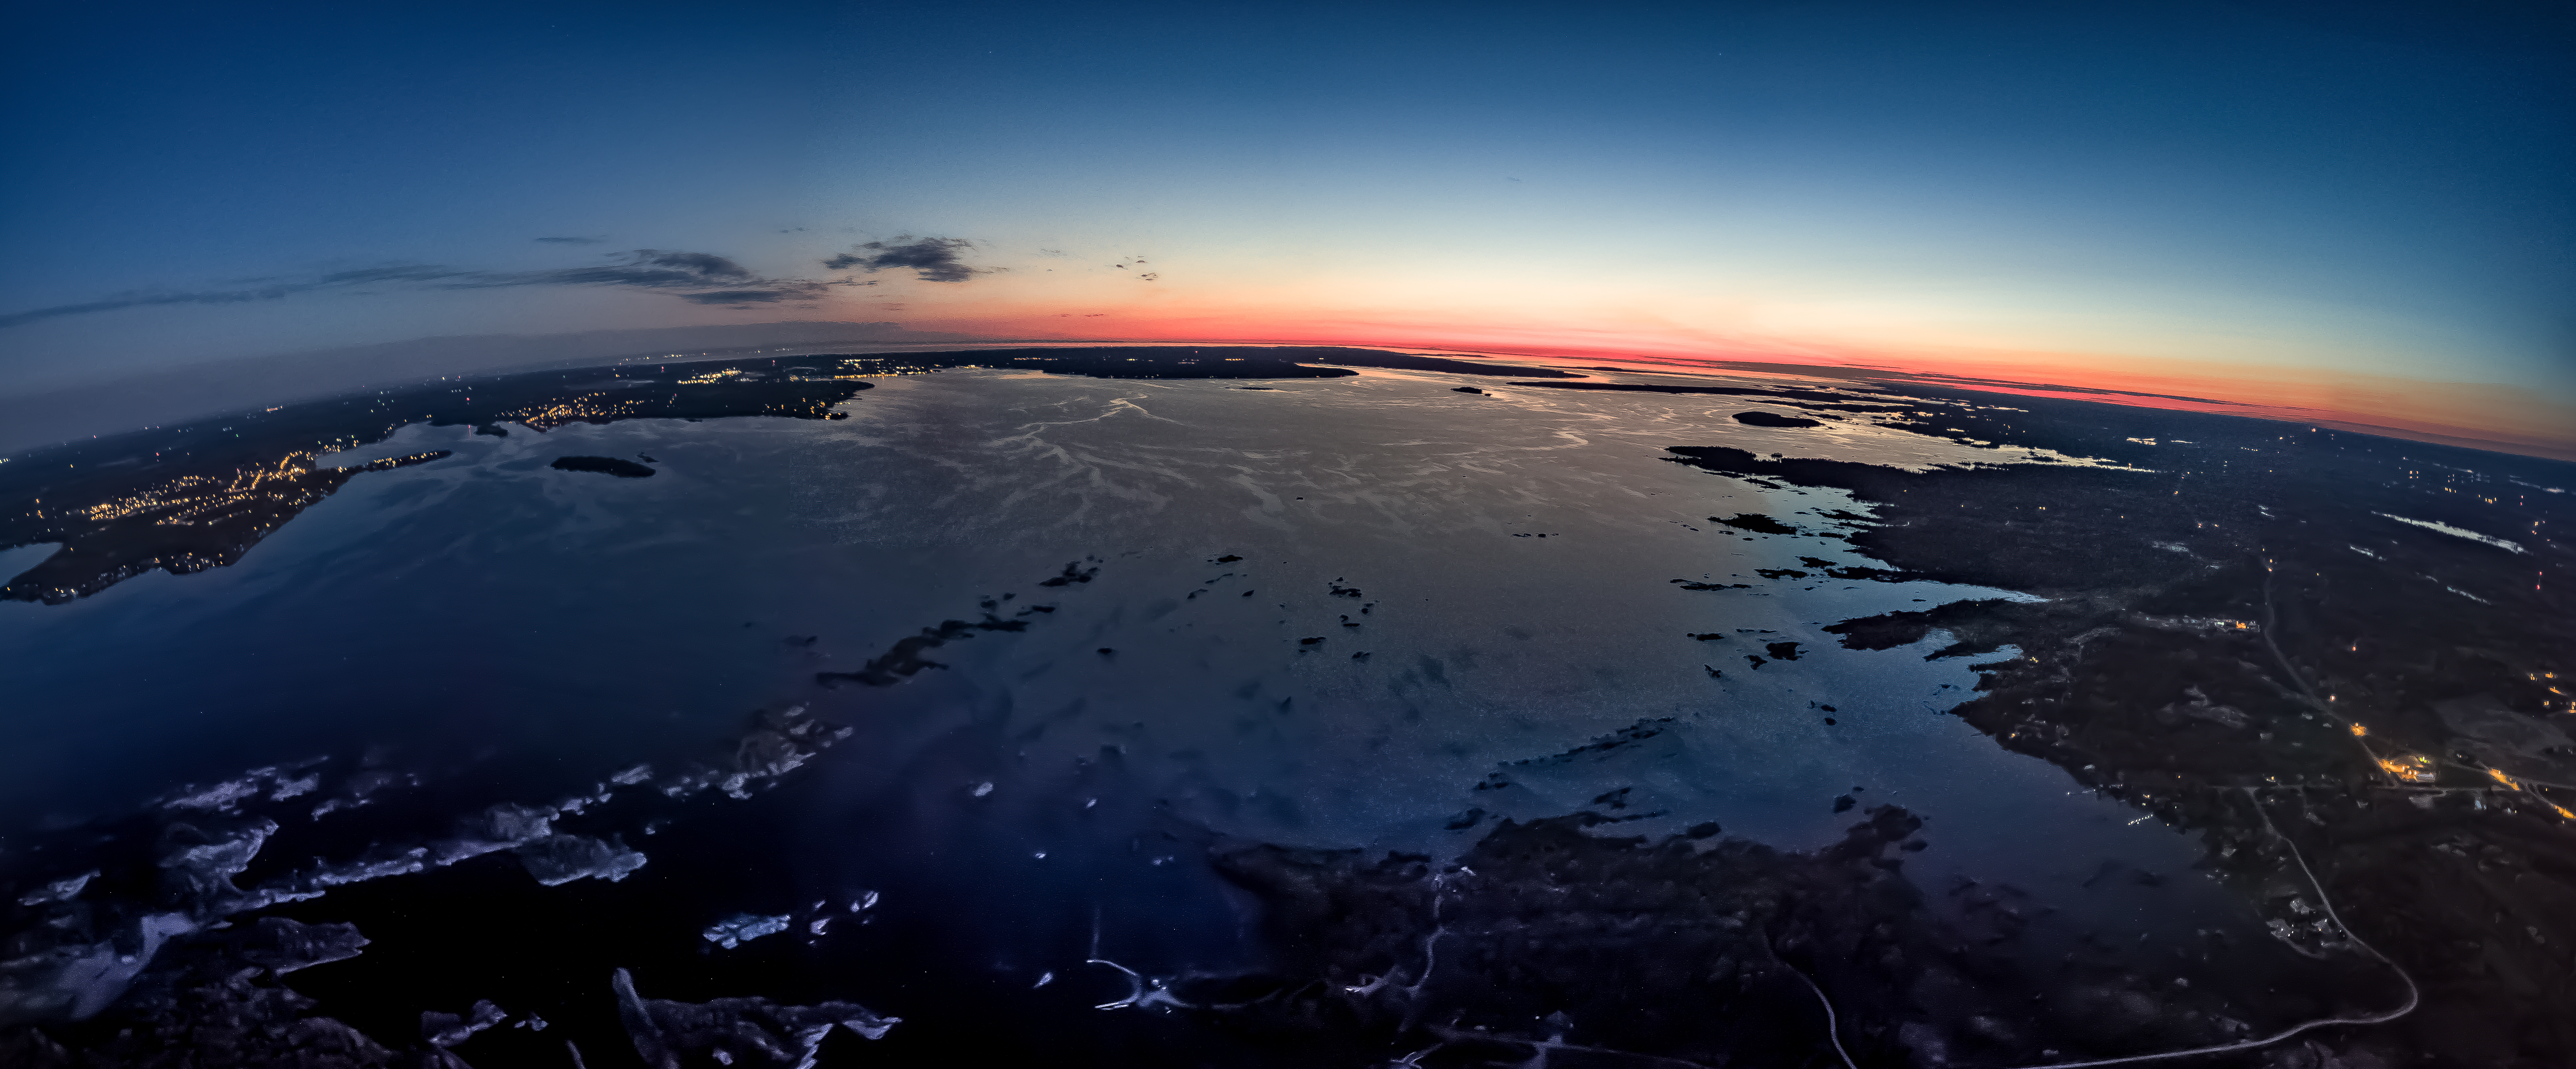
point(284, 945)
point(742, 928)
point(450, 1029)
point(62, 890)
point(2456, 532)
point(500, 827)
point(749, 1032)
point(561, 859)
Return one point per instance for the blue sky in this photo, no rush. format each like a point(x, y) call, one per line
point(2349, 189)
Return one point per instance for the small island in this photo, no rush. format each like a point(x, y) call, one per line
point(1758, 418)
point(623, 469)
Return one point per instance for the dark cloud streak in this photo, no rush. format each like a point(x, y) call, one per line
point(644, 268)
point(794, 290)
point(933, 259)
point(264, 293)
point(696, 277)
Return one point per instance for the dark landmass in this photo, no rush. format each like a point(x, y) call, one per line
point(185, 498)
point(623, 469)
point(1844, 395)
point(1122, 362)
point(1073, 572)
point(1774, 419)
point(2237, 616)
point(905, 660)
point(1451, 365)
point(1551, 940)
point(1465, 389)
point(1209, 362)
point(187, 523)
point(1756, 522)
point(1690, 585)
point(1627, 736)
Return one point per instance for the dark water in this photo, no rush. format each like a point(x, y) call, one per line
point(486, 629)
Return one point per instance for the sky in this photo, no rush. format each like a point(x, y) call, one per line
point(2360, 208)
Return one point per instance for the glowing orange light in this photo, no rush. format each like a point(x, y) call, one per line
point(2407, 773)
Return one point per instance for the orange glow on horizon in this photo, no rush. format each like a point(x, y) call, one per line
point(2480, 416)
